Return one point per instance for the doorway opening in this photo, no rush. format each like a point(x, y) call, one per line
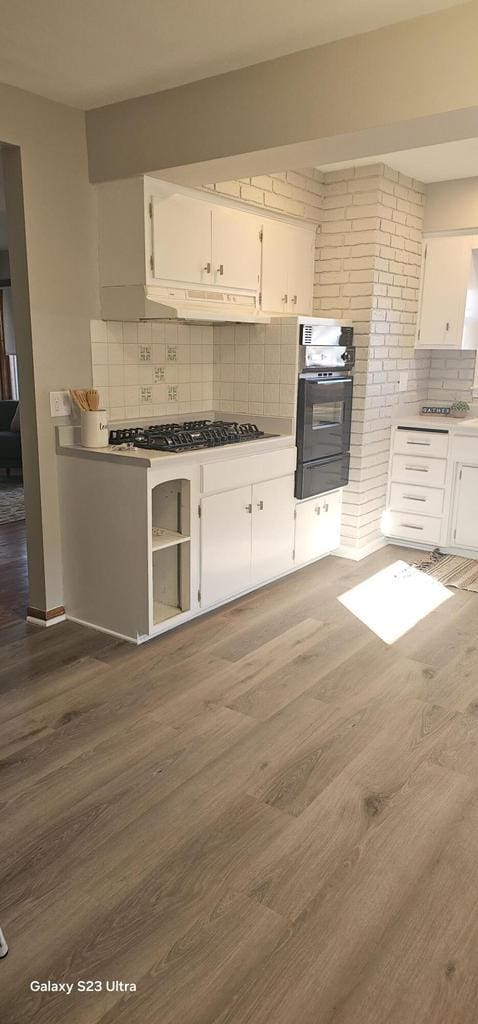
point(13, 527)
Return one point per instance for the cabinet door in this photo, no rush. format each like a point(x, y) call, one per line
point(236, 249)
point(445, 277)
point(465, 527)
point(181, 239)
point(272, 528)
point(275, 266)
point(317, 526)
point(300, 285)
point(225, 544)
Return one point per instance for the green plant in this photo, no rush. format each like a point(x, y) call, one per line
point(459, 406)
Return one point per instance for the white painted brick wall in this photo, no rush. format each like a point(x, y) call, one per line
point(296, 193)
point(367, 270)
point(451, 376)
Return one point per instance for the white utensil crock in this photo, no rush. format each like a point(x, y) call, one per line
point(94, 429)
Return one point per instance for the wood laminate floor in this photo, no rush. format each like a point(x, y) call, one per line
point(265, 817)
point(13, 573)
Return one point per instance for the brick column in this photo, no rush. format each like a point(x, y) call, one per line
point(367, 271)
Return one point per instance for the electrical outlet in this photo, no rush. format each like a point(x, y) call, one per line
point(403, 381)
point(60, 403)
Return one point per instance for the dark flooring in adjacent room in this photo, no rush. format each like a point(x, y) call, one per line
point(267, 815)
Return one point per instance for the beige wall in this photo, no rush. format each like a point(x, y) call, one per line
point(61, 252)
point(396, 74)
point(452, 205)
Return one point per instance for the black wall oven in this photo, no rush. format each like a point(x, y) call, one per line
point(324, 413)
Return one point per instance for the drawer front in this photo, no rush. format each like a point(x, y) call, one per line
point(427, 501)
point(421, 442)
point(238, 472)
point(408, 526)
point(410, 469)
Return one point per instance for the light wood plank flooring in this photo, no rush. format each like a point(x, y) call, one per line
point(265, 817)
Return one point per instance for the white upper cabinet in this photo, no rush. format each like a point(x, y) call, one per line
point(153, 235)
point(236, 249)
point(300, 284)
point(287, 268)
point(448, 316)
point(181, 239)
point(196, 242)
point(275, 266)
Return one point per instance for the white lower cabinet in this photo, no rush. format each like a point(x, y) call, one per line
point(465, 516)
point(247, 537)
point(433, 497)
point(225, 544)
point(317, 526)
point(272, 528)
point(416, 503)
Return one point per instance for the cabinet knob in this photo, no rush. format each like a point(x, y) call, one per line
point(220, 269)
point(294, 299)
point(317, 510)
point(284, 298)
point(260, 505)
point(447, 326)
point(207, 268)
point(248, 508)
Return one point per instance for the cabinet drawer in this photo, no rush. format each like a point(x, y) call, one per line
point(421, 442)
point(422, 500)
point(237, 472)
point(410, 469)
point(408, 526)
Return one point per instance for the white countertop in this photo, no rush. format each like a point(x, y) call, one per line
point(453, 426)
point(145, 457)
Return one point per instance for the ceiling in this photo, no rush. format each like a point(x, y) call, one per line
point(442, 162)
point(88, 53)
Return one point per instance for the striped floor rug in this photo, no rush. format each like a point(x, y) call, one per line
point(451, 570)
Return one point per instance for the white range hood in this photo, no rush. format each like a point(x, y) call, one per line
point(150, 302)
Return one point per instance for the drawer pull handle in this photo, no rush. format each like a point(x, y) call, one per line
point(412, 497)
point(417, 469)
point(260, 505)
point(248, 508)
point(421, 444)
point(408, 526)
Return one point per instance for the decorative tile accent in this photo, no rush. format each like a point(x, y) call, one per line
point(188, 368)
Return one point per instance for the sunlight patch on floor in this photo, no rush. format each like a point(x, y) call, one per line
point(392, 601)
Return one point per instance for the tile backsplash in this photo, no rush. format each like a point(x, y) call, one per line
point(255, 369)
point(165, 369)
point(152, 369)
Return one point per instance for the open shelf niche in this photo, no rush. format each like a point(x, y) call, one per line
point(170, 542)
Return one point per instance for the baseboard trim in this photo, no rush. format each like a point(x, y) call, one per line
point(103, 629)
point(46, 617)
point(356, 554)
